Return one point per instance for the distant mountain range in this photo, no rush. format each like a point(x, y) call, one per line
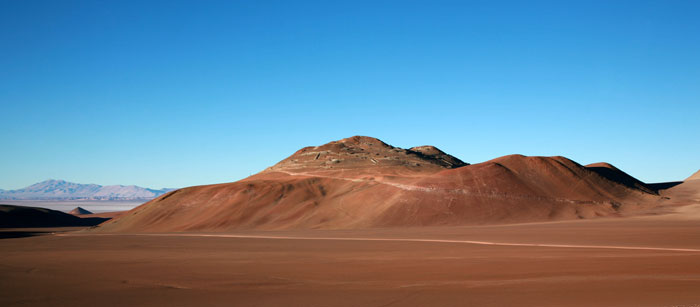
point(64, 190)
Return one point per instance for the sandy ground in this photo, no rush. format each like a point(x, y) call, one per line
point(634, 261)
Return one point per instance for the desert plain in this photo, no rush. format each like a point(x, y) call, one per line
point(635, 261)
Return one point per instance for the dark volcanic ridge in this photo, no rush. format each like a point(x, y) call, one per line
point(362, 182)
point(695, 176)
point(25, 217)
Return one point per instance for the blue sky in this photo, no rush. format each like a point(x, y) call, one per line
point(179, 93)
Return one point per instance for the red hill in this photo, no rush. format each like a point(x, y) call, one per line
point(362, 182)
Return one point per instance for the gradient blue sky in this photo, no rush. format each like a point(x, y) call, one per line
point(173, 93)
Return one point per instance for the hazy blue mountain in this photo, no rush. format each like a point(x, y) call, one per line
point(61, 189)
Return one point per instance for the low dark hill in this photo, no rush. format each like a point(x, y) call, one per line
point(79, 211)
point(362, 182)
point(26, 217)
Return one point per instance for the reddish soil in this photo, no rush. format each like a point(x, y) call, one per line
point(581, 263)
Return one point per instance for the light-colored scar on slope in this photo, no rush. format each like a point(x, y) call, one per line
point(463, 191)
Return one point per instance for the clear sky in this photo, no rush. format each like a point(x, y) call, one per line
point(178, 93)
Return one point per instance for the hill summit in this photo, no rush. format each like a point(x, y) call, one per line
point(368, 153)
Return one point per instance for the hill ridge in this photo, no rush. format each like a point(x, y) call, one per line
point(378, 185)
point(362, 153)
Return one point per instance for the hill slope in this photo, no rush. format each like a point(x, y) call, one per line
point(362, 182)
point(687, 192)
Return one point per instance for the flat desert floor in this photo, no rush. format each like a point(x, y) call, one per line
point(634, 261)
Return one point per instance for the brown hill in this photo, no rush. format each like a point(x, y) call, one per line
point(79, 211)
point(362, 182)
point(686, 192)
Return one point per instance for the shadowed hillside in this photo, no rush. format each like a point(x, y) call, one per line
point(25, 217)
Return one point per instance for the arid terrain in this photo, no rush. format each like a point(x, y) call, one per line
point(315, 153)
point(358, 222)
point(632, 261)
